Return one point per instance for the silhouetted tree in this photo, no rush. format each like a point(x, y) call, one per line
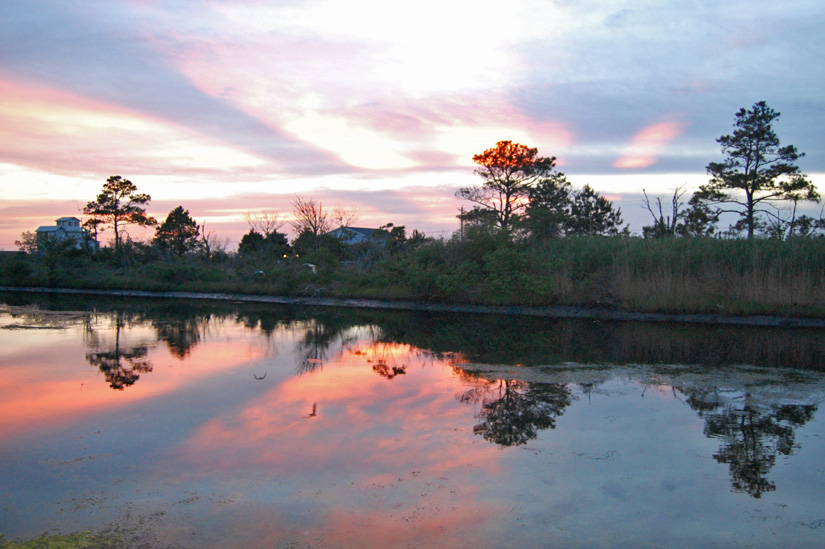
point(591, 214)
point(697, 219)
point(756, 171)
point(27, 242)
point(119, 204)
point(309, 217)
point(548, 211)
point(178, 233)
point(274, 243)
point(509, 171)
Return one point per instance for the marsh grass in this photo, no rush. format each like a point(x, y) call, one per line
point(691, 275)
point(729, 276)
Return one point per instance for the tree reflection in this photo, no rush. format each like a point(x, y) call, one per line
point(752, 436)
point(180, 334)
point(753, 440)
point(384, 358)
point(513, 412)
point(383, 369)
point(121, 366)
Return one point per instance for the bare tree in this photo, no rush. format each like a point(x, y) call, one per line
point(264, 222)
point(663, 225)
point(210, 243)
point(309, 217)
point(786, 223)
point(344, 216)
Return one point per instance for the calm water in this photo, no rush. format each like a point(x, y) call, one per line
point(237, 425)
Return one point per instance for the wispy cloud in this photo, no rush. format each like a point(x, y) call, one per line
point(648, 143)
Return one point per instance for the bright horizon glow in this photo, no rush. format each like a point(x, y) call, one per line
point(242, 106)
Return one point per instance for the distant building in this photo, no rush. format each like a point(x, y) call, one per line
point(352, 235)
point(67, 228)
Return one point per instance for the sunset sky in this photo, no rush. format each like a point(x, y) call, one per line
point(226, 107)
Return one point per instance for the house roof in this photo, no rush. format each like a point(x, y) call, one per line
point(352, 235)
point(55, 228)
point(360, 230)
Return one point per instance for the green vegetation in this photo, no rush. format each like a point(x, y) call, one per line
point(529, 239)
point(77, 540)
point(760, 276)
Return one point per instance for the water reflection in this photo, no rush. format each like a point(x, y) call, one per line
point(513, 412)
point(513, 381)
point(121, 365)
point(752, 434)
point(180, 331)
point(479, 338)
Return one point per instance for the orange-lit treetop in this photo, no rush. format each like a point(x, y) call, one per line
point(509, 170)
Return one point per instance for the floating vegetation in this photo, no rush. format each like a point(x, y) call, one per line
point(76, 540)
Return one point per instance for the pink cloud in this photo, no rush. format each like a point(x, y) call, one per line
point(648, 144)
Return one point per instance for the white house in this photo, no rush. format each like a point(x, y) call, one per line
point(66, 228)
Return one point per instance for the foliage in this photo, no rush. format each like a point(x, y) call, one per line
point(762, 276)
point(117, 205)
point(178, 233)
point(307, 242)
point(274, 243)
point(698, 219)
point(778, 224)
point(27, 242)
point(756, 171)
point(18, 271)
point(591, 214)
point(509, 171)
point(548, 212)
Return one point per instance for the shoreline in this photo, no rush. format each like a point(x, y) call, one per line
point(549, 311)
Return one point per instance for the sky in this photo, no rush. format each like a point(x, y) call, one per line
point(229, 107)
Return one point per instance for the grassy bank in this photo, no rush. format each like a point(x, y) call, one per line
point(690, 275)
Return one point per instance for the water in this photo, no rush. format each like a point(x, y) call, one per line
point(184, 423)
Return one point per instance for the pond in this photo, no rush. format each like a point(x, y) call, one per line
point(218, 424)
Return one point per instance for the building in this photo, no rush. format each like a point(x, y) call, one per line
point(352, 235)
point(67, 228)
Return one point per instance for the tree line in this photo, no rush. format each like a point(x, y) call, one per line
point(758, 184)
point(528, 238)
point(523, 196)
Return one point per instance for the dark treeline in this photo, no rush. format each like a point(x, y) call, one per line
point(529, 238)
point(760, 276)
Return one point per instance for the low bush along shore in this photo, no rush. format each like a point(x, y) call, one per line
point(671, 275)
